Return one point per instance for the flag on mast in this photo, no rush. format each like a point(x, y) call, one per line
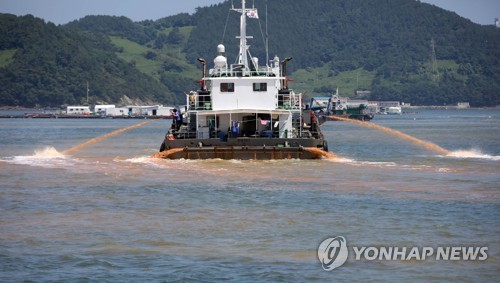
point(252, 13)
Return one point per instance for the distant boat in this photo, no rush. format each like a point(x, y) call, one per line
point(394, 110)
point(244, 111)
point(336, 105)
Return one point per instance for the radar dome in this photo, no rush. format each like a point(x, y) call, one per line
point(220, 62)
point(221, 49)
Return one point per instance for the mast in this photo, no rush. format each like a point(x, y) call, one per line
point(243, 33)
point(242, 56)
point(267, 41)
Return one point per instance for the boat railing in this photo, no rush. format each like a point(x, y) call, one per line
point(288, 101)
point(200, 100)
point(234, 71)
point(223, 136)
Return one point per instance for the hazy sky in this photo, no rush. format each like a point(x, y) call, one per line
point(64, 11)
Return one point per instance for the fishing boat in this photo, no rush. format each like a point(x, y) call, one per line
point(244, 111)
point(394, 110)
point(338, 106)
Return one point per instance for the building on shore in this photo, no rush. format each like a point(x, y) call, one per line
point(363, 93)
point(387, 104)
point(129, 110)
point(389, 107)
point(77, 110)
point(103, 109)
point(154, 110)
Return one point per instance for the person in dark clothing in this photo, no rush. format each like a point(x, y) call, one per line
point(176, 122)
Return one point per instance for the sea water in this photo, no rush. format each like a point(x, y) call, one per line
point(108, 212)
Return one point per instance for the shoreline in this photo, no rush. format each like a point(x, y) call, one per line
point(54, 113)
point(425, 107)
point(451, 107)
point(64, 116)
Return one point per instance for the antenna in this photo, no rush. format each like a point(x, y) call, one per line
point(267, 41)
point(242, 57)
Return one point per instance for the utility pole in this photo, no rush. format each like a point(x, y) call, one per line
point(435, 71)
point(357, 80)
point(88, 93)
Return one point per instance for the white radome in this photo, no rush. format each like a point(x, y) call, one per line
point(220, 62)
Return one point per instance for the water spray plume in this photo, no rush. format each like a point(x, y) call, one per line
point(472, 153)
point(103, 137)
point(425, 144)
point(166, 154)
point(47, 152)
point(319, 152)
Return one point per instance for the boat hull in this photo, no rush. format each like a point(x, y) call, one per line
point(243, 148)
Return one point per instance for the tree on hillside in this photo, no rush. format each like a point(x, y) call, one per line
point(175, 36)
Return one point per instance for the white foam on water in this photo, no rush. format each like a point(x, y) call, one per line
point(146, 160)
point(140, 159)
point(444, 170)
point(340, 159)
point(389, 165)
point(378, 163)
point(472, 153)
point(47, 157)
point(47, 152)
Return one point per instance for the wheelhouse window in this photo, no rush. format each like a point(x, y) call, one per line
point(260, 87)
point(227, 87)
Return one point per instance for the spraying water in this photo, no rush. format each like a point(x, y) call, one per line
point(473, 153)
point(103, 137)
point(319, 152)
point(425, 144)
point(47, 152)
point(165, 154)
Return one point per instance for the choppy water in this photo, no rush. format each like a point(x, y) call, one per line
point(109, 212)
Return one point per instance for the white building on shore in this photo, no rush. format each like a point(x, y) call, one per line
point(129, 110)
point(103, 109)
point(77, 110)
point(154, 110)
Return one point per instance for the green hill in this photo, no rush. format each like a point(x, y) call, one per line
point(46, 65)
point(156, 48)
point(383, 45)
point(398, 49)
